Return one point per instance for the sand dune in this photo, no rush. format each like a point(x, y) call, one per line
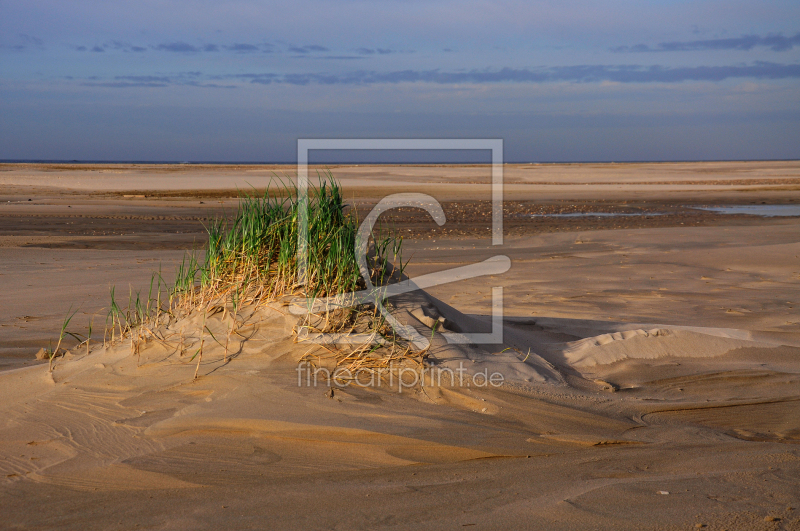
point(114, 421)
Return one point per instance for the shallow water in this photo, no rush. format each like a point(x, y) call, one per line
point(767, 211)
point(750, 210)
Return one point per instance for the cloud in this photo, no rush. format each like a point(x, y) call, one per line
point(185, 78)
point(262, 79)
point(22, 42)
point(124, 46)
point(776, 43)
point(208, 85)
point(144, 79)
point(242, 48)
point(122, 84)
point(308, 48)
point(331, 57)
point(131, 82)
point(185, 47)
point(177, 47)
point(372, 51)
point(578, 74)
point(575, 74)
point(113, 45)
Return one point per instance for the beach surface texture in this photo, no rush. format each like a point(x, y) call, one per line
point(647, 375)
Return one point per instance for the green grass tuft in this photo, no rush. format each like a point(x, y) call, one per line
point(252, 258)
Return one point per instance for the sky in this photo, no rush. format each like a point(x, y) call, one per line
point(242, 80)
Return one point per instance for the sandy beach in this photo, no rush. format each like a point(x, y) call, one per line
point(650, 358)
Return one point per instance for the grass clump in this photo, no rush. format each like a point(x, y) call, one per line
point(252, 258)
point(258, 249)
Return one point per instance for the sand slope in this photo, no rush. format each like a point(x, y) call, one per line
point(111, 421)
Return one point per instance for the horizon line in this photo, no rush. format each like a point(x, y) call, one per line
point(405, 163)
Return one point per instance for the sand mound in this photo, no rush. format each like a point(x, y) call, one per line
point(649, 344)
point(126, 416)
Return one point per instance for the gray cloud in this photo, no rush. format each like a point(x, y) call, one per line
point(122, 84)
point(144, 79)
point(777, 43)
point(192, 79)
point(261, 79)
point(176, 47)
point(22, 42)
point(145, 84)
point(185, 47)
point(208, 85)
point(113, 45)
point(330, 57)
point(242, 48)
point(575, 74)
point(308, 48)
point(578, 74)
point(124, 46)
point(621, 74)
point(372, 51)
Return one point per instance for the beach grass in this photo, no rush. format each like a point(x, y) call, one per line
point(251, 258)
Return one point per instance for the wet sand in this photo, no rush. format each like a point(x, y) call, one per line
point(688, 316)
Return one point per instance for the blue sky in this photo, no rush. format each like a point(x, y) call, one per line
point(242, 80)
